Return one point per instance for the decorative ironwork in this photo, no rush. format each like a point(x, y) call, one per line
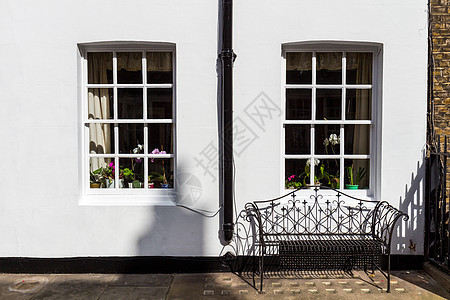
point(323, 231)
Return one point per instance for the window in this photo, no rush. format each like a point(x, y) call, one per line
point(129, 119)
point(330, 104)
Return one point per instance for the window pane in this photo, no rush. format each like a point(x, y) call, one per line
point(327, 139)
point(160, 172)
point(160, 137)
point(297, 139)
point(129, 102)
point(326, 171)
point(159, 103)
point(329, 68)
point(129, 67)
point(101, 172)
point(298, 104)
point(101, 138)
point(100, 104)
point(295, 175)
point(359, 68)
point(299, 68)
point(328, 104)
point(130, 137)
point(359, 170)
point(358, 105)
point(131, 173)
point(357, 139)
point(100, 67)
point(159, 67)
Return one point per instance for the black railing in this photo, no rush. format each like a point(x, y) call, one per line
point(437, 222)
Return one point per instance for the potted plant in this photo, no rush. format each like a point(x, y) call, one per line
point(161, 178)
point(292, 183)
point(354, 184)
point(96, 178)
point(151, 184)
point(108, 174)
point(128, 174)
point(320, 177)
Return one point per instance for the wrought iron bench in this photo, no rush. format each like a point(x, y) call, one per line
point(323, 231)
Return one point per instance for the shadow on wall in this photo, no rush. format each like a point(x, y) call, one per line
point(408, 238)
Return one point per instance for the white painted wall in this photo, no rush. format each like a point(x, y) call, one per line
point(40, 215)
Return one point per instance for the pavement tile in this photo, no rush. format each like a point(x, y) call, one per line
point(134, 293)
point(75, 286)
point(149, 280)
point(22, 286)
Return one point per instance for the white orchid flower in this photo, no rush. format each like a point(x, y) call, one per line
point(326, 142)
point(334, 139)
point(140, 146)
point(135, 150)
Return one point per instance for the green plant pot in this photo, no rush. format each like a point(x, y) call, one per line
point(351, 186)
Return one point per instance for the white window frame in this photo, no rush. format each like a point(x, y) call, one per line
point(123, 196)
point(375, 123)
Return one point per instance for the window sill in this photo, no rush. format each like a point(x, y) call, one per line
point(161, 198)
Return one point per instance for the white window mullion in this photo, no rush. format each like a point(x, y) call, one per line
point(341, 166)
point(116, 128)
point(341, 129)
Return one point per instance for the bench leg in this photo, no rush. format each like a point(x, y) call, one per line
point(261, 271)
point(389, 273)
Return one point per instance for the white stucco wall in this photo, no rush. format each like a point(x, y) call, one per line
point(40, 215)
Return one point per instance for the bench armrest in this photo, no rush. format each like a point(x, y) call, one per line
point(385, 217)
point(253, 215)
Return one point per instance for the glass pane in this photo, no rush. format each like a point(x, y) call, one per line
point(101, 172)
point(100, 67)
point(295, 175)
point(160, 173)
point(101, 138)
point(131, 173)
point(357, 139)
point(297, 139)
point(129, 102)
point(129, 67)
point(131, 138)
point(328, 104)
point(357, 173)
point(299, 68)
point(298, 104)
point(327, 139)
point(358, 105)
point(159, 67)
point(159, 103)
point(100, 104)
point(160, 137)
point(326, 171)
point(359, 68)
point(329, 68)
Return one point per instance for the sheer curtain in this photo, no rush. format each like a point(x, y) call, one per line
point(99, 109)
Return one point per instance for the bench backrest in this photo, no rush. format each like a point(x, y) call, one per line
point(315, 214)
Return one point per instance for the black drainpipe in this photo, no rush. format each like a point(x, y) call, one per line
point(227, 57)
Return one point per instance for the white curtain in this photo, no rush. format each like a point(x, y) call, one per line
point(98, 109)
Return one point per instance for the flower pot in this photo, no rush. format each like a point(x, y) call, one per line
point(151, 185)
point(335, 185)
point(164, 185)
point(351, 186)
point(110, 183)
point(95, 185)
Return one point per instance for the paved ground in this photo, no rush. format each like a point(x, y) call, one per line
point(405, 285)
